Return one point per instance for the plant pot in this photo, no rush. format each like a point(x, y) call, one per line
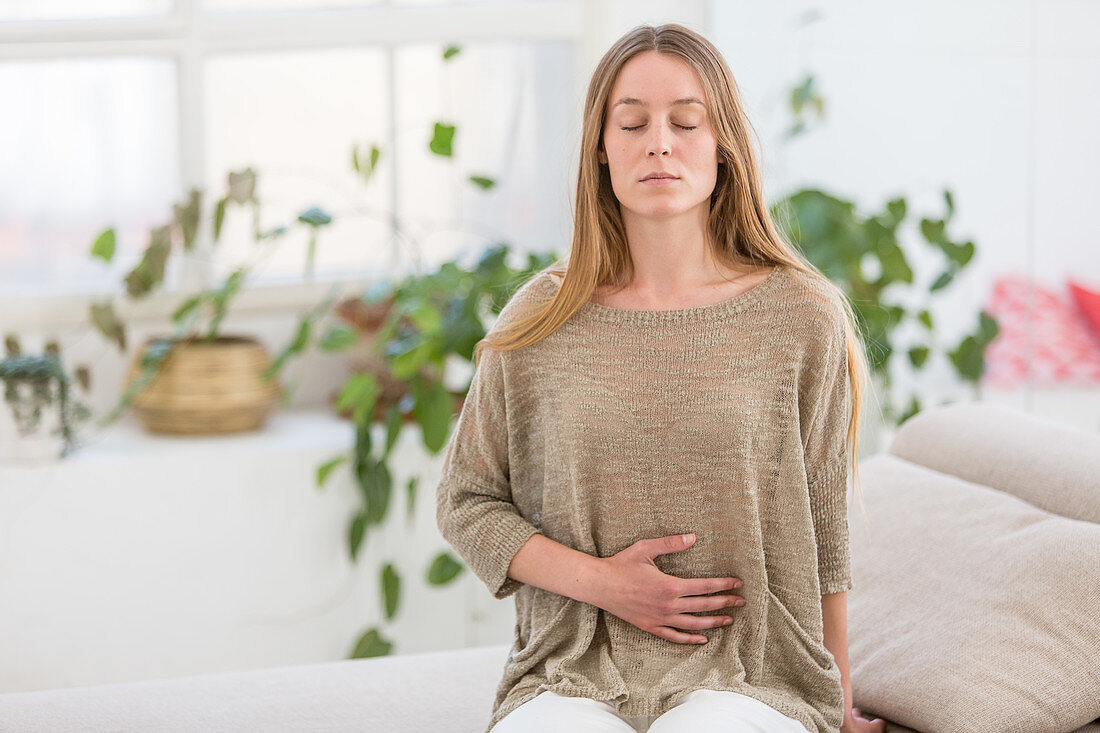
point(206, 387)
point(43, 444)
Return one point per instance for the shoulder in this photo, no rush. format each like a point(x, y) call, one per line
point(815, 307)
point(527, 295)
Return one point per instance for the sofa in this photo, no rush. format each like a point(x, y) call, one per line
point(975, 607)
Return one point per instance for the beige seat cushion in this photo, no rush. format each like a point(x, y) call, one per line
point(971, 610)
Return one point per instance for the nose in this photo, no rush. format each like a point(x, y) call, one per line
point(658, 142)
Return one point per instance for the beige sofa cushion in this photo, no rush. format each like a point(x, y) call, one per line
point(972, 610)
point(1045, 463)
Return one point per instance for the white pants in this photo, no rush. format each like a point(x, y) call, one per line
point(699, 711)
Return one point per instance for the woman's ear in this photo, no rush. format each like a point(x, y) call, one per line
point(601, 156)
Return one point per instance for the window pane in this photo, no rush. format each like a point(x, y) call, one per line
point(23, 10)
point(294, 118)
point(512, 106)
point(96, 146)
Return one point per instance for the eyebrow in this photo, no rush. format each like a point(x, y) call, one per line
point(635, 100)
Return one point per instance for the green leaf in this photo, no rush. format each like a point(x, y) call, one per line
point(968, 360)
point(358, 387)
point(149, 272)
point(451, 51)
point(84, 377)
point(988, 328)
point(156, 352)
point(391, 590)
point(359, 394)
point(106, 320)
point(410, 495)
point(371, 644)
point(104, 245)
point(933, 230)
point(219, 216)
point(366, 167)
point(273, 233)
point(187, 217)
point(301, 338)
point(925, 317)
point(963, 253)
point(296, 346)
point(483, 182)
point(442, 139)
point(896, 208)
point(942, 281)
point(406, 355)
point(242, 186)
point(911, 409)
point(338, 337)
point(356, 531)
point(950, 201)
point(425, 316)
point(188, 305)
point(395, 420)
point(315, 217)
point(433, 411)
point(918, 355)
point(444, 569)
point(327, 467)
point(376, 488)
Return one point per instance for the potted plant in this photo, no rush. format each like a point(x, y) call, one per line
point(862, 253)
point(412, 350)
point(196, 380)
point(42, 412)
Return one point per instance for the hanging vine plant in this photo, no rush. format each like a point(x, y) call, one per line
point(35, 383)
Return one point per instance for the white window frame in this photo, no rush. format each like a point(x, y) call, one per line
point(190, 35)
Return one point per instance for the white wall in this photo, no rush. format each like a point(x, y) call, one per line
point(990, 99)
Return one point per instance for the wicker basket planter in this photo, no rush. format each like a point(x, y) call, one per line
point(206, 388)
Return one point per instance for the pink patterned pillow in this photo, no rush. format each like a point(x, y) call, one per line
point(1044, 337)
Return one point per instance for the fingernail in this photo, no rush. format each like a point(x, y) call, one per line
point(688, 538)
point(727, 622)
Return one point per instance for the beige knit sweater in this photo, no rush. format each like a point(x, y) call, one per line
point(727, 420)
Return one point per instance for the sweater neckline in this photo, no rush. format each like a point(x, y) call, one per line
point(699, 313)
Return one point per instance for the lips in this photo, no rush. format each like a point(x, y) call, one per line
point(651, 176)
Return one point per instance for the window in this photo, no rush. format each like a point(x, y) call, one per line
point(126, 104)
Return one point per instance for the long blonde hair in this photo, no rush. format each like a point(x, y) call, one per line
point(740, 229)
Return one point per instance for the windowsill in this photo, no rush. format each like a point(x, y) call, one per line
point(285, 432)
point(21, 313)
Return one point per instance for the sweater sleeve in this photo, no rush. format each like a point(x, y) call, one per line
point(825, 401)
point(474, 508)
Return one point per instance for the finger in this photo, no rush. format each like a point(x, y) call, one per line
point(667, 632)
point(708, 603)
point(702, 586)
point(687, 621)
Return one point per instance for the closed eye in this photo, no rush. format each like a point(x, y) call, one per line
point(682, 127)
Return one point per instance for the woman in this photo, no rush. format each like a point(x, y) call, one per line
point(685, 371)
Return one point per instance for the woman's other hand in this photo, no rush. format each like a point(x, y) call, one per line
point(859, 724)
point(632, 587)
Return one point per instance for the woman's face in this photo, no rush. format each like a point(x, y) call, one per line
point(650, 128)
